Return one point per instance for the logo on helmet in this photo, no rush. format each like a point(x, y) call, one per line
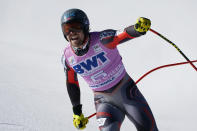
point(69, 15)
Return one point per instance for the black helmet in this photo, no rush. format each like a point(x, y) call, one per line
point(76, 15)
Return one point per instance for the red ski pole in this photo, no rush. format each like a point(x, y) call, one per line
point(157, 68)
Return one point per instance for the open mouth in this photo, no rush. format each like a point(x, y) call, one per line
point(74, 39)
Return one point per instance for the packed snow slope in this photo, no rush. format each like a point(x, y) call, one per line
point(33, 95)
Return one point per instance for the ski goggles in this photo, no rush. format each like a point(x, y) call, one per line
point(72, 27)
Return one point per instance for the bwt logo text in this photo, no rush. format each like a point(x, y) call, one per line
point(90, 64)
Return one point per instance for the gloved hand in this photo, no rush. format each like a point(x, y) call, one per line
point(79, 121)
point(142, 25)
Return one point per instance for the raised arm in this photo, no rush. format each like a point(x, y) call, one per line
point(111, 38)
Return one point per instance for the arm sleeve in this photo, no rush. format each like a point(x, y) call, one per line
point(111, 38)
point(72, 84)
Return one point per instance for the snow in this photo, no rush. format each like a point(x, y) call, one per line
point(33, 95)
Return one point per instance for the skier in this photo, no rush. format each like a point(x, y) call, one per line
point(95, 57)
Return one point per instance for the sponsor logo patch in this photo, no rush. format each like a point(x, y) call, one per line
point(97, 48)
point(72, 60)
point(91, 63)
point(101, 121)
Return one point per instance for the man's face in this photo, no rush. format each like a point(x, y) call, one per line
point(74, 33)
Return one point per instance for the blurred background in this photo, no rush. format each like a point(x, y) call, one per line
point(33, 95)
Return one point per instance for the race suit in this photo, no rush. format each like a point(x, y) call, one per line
point(115, 93)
